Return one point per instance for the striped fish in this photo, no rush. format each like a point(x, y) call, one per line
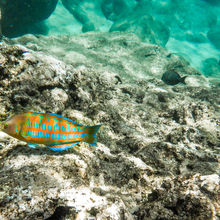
point(56, 132)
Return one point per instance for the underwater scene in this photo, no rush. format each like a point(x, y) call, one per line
point(109, 109)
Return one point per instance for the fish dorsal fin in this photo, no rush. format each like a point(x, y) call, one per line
point(183, 79)
point(59, 116)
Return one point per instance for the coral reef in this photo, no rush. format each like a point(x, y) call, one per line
point(158, 148)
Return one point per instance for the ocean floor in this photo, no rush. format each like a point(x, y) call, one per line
point(158, 154)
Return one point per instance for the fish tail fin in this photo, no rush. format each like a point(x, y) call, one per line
point(90, 138)
point(183, 79)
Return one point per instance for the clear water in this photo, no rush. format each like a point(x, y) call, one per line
point(190, 28)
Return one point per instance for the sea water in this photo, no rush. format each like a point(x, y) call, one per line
point(188, 22)
point(190, 28)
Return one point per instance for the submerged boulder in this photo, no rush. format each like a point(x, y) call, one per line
point(213, 2)
point(146, 27)
point(211, 67)
point(214, 36)
point(24, 16)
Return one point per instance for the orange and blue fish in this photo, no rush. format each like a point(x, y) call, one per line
point(56, 132)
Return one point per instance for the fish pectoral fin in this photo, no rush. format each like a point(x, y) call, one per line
point(61, 147)
point(31, 145)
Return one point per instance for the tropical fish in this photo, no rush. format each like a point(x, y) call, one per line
point(56, 132)
point(172, 78)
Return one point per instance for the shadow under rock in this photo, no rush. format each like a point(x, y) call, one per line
point(61, 212)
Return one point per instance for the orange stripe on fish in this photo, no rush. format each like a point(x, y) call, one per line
point(55, 131)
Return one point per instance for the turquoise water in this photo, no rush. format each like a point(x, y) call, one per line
point(190, 28)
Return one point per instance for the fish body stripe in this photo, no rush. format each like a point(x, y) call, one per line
point(53, 128)
point(54, 135)
point(41, 128)
point(57, 132)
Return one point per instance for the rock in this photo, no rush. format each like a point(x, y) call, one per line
point(211, 67)
point(181, 199)
point(162, 7)
point(24, 16)
point(58, 98)
point(214, 36)
point(146, 27)
point(190, 17)
point(196, 37)
point(158, 147)
point(213, 2)
point(113, 10)
point(74, 8)
point(61, 212)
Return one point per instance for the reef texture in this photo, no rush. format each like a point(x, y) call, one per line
point(158, 147)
